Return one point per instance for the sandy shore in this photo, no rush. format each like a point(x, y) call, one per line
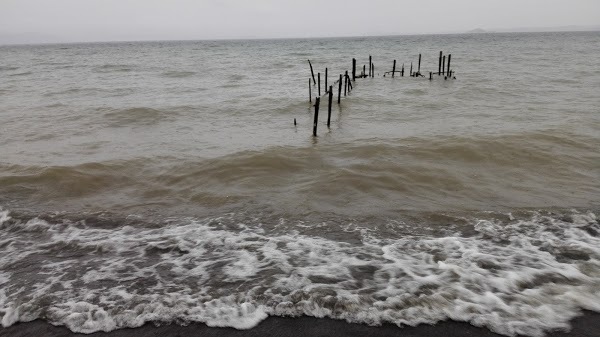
point(587, 325)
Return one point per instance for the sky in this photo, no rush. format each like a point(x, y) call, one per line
point(127, 20)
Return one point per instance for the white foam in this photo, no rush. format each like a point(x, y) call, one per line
point(522, 277)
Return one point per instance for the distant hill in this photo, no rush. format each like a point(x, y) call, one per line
point(477, 31)
point(571, 28)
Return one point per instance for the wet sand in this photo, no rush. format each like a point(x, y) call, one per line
point(587, 325)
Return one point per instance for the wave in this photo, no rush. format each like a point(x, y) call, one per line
point(178, 74)
point(522, 275)
point(108, 68)
point(135, 116)
point(21, 74)
point(366, 176)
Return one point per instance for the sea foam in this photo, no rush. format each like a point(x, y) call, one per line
point(522, 276)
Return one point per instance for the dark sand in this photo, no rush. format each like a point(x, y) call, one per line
point(587, 325)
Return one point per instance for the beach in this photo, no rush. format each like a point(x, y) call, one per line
point(180, 181)
point(585, 326)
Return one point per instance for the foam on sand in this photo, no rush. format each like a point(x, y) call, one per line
point(522, 276)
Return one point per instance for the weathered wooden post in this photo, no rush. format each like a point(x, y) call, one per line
point(419, 68)
point(319, 83)
point(370, 66)
point(430, 75)
point(340, 90)
point(411, 74)
point(317, 100)
point(349, 85)
point(309, 91)
point(354, 69)
point(329, 108)
point(440, 65)
point(402, 72)
point(345, 83)
point(312, 72)
point(393, 69)
point(294, 121)
point(449, 57)
point(373, 70)
point(444, 65)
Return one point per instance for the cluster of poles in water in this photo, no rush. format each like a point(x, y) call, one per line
point(443, 70)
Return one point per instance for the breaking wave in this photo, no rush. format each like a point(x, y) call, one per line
point(525, 275)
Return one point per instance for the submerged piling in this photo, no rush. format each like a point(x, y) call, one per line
point(449, 57)
point(312, 72)
point(319, 83)
point(340, 90)
point(419, 67)
point(370, 66)
point(309, 91)
point(346, 83)
point(443, 65)
point(393, 69)
point(315, 122)
point(440, 65)
point(353, 69)
point(329, 107)
point(402, 72)
point(349, 85)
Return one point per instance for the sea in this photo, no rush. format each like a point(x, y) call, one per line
point(180, 181)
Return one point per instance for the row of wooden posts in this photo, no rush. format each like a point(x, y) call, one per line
point(443, 69)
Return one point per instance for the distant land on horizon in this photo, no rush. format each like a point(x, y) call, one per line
point(40, 38)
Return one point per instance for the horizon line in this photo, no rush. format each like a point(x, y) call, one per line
point(476, 31)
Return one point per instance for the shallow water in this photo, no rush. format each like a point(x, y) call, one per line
point(166, 181)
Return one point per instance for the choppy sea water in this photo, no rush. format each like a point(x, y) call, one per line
point(166, 181)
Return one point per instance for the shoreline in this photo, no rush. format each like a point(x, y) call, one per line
point(586, 325)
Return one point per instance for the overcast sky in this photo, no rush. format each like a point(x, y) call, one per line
point(111, 20)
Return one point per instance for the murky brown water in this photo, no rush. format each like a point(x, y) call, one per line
point(167, 181)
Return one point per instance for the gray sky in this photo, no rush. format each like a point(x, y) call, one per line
point(111, 20)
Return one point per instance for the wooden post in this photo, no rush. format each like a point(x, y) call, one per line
point(319, 83)
point(373, 71)
point(349, 85)
point(449, 57)
point(309, 91)
point(317, 100)
point(312, 72)
point(370, 66)
point(294, 121)
point(345, 83)
point(393, 69)
point(440, 65)
point(419, 68)
point(402, 73)
point(354, 69)
point(325, 78)
point(444, 65)
point(364, 74)
point(329, 108)
point(430, 75)
point(340, 90)
point(411, 70)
